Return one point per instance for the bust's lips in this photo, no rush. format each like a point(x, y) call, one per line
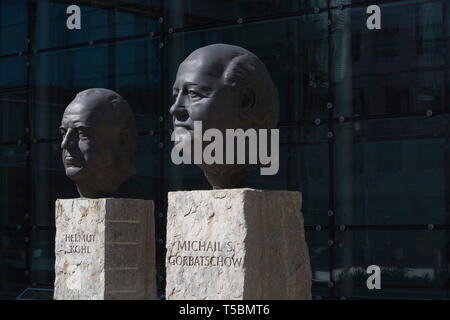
point(185, 126)
point(68, 161)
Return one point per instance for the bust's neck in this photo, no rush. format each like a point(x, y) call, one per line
point(104, 184)
point(96, 188)
point(226, 176)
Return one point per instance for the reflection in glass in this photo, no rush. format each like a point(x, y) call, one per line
point(413, 263)
point(391, 172)
point(97, 22)
point(43, 257)
point(12, 185)
point(12, 263)
point(13, 26)
point(386, 71)
point(190, 13)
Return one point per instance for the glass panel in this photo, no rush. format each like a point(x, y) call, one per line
point(129, 68)
point(319, 291)
point(98, 21)
point(12, 264)
point(13, 183)
point(43, 257)
point(13, 26)
point(13, 75)
point(392, 171)
point(319, 254)
point(394, 70)
point(12, 115)
point(13, 98)
point(395, 94)
point(189, 13)
point(309, 171)
point(413, 263)
point(336, 3)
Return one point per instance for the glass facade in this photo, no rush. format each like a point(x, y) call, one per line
point(364, 125)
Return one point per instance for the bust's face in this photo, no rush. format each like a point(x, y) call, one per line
point(200, 94)
point(88, 141)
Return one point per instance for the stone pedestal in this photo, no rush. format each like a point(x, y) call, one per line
point(236, 244)
point(105, 249)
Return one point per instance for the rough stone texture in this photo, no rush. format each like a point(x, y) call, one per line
point(262, 228)
point(115, 257)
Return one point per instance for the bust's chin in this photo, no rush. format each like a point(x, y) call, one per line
point(74, 172)
point(102, 183)
point(226, 176)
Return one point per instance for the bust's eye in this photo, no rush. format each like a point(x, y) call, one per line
point(195, 95)
point(83, 134)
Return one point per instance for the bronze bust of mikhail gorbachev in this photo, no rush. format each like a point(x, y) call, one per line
point(225, 87)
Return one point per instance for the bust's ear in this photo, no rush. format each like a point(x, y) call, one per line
point(124, 137)
point(248, 102)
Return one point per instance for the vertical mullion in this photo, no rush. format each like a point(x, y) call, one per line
point(161, 200)
point(446, 154)
point(27, 137)
point(331, 139)
point(447, 205)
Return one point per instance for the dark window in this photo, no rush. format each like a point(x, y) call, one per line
point(397, 99)
point(387, 42)
point(389, 157)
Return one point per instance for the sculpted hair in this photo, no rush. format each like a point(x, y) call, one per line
point(247, 70)
point(123, 114)
point(117, 108)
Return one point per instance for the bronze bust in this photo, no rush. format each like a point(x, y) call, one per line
point(225, 87)
point(99, 139)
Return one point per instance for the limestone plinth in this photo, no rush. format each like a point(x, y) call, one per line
point(105, 249)
point(236, 244)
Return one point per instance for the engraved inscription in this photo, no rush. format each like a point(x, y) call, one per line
point(78, 243)
point(217, 254)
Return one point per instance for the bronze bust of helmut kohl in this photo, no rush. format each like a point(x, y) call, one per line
point(99, 139)
point(225, 87)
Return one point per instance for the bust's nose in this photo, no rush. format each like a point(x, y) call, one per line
point(178, 109)
point(68, 141)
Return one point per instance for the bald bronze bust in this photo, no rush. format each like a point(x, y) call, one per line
point(224, 87)
point(99, 139)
